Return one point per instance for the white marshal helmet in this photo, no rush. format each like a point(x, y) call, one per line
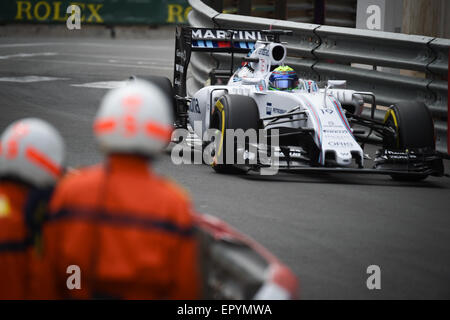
point(33, 151)
point(136, 119)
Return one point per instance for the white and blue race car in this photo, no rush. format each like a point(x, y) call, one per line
point(308, 128)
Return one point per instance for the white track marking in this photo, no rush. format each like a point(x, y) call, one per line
point(28, 55)
point(119, 65)
point(118, 58)
point(131, 46)
point(111, 59)
point(18, 45)
point(102, 84)
point(88, 44)
point(28, 79)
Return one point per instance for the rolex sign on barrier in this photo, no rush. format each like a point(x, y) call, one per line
point(148, 12)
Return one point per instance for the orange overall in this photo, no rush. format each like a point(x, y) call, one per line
point(129, 231)
point(22, 211)
point(13, 241)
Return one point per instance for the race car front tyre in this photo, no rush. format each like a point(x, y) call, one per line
point(414, 129)
point(232, 112)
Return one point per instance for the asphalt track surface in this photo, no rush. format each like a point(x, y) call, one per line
point(327, 228)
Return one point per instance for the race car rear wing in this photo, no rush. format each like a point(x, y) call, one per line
point(190, 39)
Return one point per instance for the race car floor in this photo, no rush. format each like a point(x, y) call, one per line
point(328, 228)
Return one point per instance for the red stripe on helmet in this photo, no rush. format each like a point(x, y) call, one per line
point(41, 160)
point(132, 101)
point(104, 125)
point(130, 125)
point(12, 149)
point(158, 131)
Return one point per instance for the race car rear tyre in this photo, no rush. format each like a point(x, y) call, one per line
point(232, 112)
point(415, 129)
point(165, 85)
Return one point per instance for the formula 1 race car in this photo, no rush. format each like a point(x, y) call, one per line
point(303, 126)
point(235, 267)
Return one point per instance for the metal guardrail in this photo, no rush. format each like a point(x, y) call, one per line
point(340, 13)
point(394, 66)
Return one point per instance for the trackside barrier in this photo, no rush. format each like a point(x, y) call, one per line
point(337, 12)
point(394, 66)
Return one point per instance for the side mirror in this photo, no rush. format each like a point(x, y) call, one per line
point(341, 84)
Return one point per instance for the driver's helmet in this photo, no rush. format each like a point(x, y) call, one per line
point(283, 78)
